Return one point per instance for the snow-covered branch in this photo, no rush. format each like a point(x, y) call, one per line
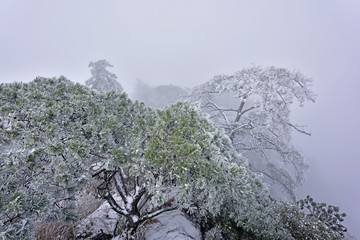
point(156, 213)
point(120, 186)
point(261, 122)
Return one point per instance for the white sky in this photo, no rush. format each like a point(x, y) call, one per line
point(187, 42)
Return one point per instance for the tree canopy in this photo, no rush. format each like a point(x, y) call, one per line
point(56, 135)
point(53, 131)
point(257, 118)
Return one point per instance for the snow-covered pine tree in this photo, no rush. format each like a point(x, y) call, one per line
point(54, 131)
point(51, 132)
point(101, 79)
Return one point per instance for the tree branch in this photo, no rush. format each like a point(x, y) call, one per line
point(144, 201)
point(113, 203)
point(98, 172)
point(120, 186)
point(299, 130)
point(216, 107)
point(139, 192)
point(156, 213)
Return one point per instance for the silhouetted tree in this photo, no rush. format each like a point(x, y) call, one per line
point(101, 79)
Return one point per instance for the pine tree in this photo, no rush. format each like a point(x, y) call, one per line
point(101, 79)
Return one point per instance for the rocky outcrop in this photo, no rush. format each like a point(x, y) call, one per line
point(171, 225)
point(168, 225)
point(103, 220)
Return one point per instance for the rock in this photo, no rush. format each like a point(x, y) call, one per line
point(103, 220)
point(171, 225)
point(102, 236)
point(168, 225)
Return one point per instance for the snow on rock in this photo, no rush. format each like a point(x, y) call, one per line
point(168, 225)
point(103, 218)
point(171, 225)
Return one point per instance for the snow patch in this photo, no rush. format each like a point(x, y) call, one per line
point(135, 218)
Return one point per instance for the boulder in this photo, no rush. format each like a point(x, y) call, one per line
point(171, 225)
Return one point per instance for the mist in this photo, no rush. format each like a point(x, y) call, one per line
point(186, 43)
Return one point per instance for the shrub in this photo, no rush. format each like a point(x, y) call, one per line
point(54, 231)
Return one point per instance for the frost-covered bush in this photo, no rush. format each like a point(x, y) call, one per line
point(54, 231)
point(52, 131)
point(327, 214)
point(305, 226)
point(183, 151)
point(56, 134)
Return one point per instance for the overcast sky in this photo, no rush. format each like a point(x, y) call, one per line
point(187, 42)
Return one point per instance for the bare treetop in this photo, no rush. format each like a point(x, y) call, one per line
point(257, 121)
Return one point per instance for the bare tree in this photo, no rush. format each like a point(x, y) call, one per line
point(257, 119)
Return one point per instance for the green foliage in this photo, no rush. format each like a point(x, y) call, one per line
point(53, 132)
point(304, 227)
point(50, 132)
point(212, 179)
point(328, 215)
point(229, 230)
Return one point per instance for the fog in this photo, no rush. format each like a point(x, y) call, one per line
point(187, 42)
